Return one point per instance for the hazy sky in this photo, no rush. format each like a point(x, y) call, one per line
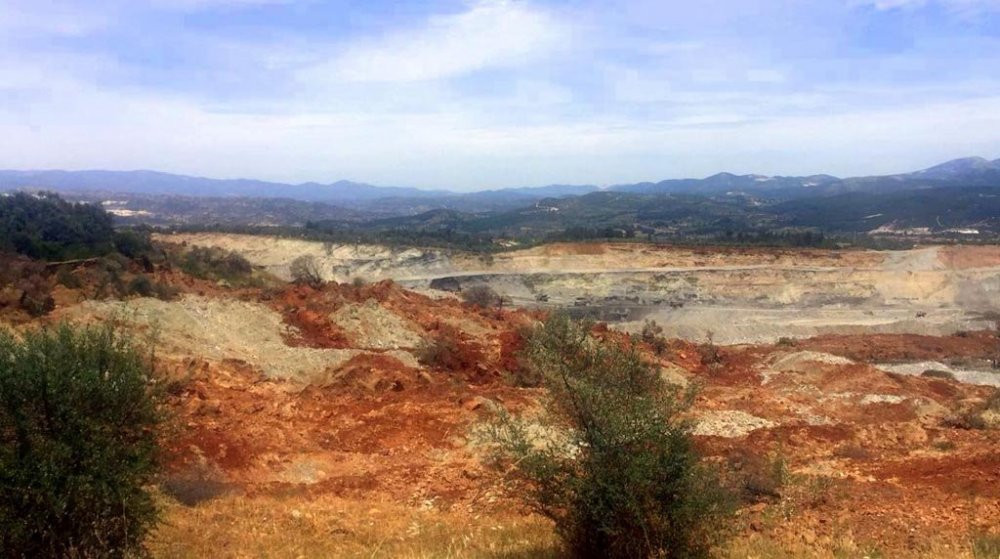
point(476, 94)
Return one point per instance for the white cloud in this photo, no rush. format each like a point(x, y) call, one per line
point(618, 107)
point(491, 33)
point(92, 127)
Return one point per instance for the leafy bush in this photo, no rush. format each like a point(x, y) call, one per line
point(133, 243)
point(216, 264)
point(141, 286)
point(305, 270)
point(78, 424)
point(613, 465)
point(144, 287)
point(448, 351)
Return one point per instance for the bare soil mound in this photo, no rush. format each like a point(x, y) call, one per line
point(373, 326)
point(220, 329)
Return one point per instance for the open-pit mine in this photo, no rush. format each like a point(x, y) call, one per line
point(733, 295)
point(309, 423)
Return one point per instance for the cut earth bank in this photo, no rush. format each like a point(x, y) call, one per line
point(733, 295)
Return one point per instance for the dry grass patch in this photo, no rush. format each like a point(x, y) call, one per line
point(271, 527)
point(843, 547)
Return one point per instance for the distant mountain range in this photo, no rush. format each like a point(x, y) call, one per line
point(969, 171)
point(393, 200)
point(972, 212)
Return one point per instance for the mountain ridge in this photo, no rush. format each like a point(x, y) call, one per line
point(967, 171)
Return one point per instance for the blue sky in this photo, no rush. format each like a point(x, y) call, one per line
point(484, 94)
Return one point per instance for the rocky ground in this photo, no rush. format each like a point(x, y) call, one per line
point(308, 422)
point(692, 292)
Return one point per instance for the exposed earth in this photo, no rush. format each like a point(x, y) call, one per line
point(736, 295)
point(306, 424)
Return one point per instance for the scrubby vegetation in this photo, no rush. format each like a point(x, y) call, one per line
point(978, 415)
point(709, 352)
point(482, 296)
point(47, 227)
point(448, 351)
point(986, 546)
point(614, 465)
point(652, 334)
point(305, 270)
point(756, 476)
point(935, 373)
point(78, 443)
point(216, 264)
point(46, 241)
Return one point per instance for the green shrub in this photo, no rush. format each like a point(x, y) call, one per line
point(612, 464)
point(216, 264)
point(133, 243)
point(447, 350)
point(78, 422)
point(141, 286)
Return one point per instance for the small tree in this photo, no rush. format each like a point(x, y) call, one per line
point(613, 465)
point(446, 350)
point(78, 444)
point(652, 334)
point(305, 270)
